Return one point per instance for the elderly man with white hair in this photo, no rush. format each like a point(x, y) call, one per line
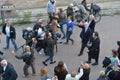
point(8, 72)
point(91, 23)
point(84, 35)
point(28, 59)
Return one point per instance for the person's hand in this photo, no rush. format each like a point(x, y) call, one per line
point(81, 23)
point(87, 50)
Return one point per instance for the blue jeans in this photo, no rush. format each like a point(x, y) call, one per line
point(61, 28)
point(13, 42)
point(68, 35)
point(39, 49)
point(49, 58)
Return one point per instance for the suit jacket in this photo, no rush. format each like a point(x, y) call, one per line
point(9, 73)
point(92, 25)
point(95, 44)
point(85, 36)
point(12, 31)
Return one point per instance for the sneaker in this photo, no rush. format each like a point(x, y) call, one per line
point(39, 53)
point(79, 54)
point(63, 37)
point(44, 63)
point(65, 42)
point(53, 62)
point(72, 42)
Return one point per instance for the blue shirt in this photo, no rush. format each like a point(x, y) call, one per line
point(70, 25)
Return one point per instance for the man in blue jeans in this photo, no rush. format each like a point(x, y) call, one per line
point(49, 43)
point(10, 33)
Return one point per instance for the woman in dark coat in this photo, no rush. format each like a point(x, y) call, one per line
point(60, 71)
point(94, 49)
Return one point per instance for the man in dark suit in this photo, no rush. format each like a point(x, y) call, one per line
point(92, 23)
point(10, 33)
point(84, 35)
point(8, 71)
point(94, 49)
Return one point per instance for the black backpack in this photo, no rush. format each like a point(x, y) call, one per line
point(106, 62)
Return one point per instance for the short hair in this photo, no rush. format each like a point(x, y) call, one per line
point(73, 73)
point(4, 62)
point(96, 33)
point(43, 71)
point(102, 73)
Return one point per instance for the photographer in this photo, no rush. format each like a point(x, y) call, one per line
point(74, 75)
point(28, 58)
point(86, 71)
point(28, 34)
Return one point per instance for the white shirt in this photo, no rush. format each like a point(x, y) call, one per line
point(7, 29)
point(77, 77)
point(86, 29)
point(4, 68)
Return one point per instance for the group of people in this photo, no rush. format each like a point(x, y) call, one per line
point(61, 72)
point(45, 37)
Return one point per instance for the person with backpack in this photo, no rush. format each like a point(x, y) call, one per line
point(28, 58)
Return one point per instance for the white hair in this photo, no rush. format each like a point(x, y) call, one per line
point(4, 62)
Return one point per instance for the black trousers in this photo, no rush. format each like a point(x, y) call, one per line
point(82, 48)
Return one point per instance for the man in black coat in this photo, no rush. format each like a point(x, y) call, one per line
point(8, 71)
point(84, 35)
point(69, 10)
point(91, 23)
point(94, 49)
point(10, 33)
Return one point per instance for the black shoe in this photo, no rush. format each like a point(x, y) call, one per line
point(79, 54)
point(95, 64)
point(53, 62)
point(5, 48)
point(44, 63)
point(88, 62)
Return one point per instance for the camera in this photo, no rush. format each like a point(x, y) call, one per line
point(28, 34)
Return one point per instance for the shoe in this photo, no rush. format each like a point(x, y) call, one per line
point(5, 48)
point(95, 64)
point(63, 37)
point(44, 63)
point(88, 62)
point(72, 42)
point(79, 54)
point(65, 42)
point(39, 53)
point(53, 62)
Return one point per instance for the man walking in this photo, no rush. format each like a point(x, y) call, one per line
point(49, 49)
point(85, 35)
point(10, 33)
